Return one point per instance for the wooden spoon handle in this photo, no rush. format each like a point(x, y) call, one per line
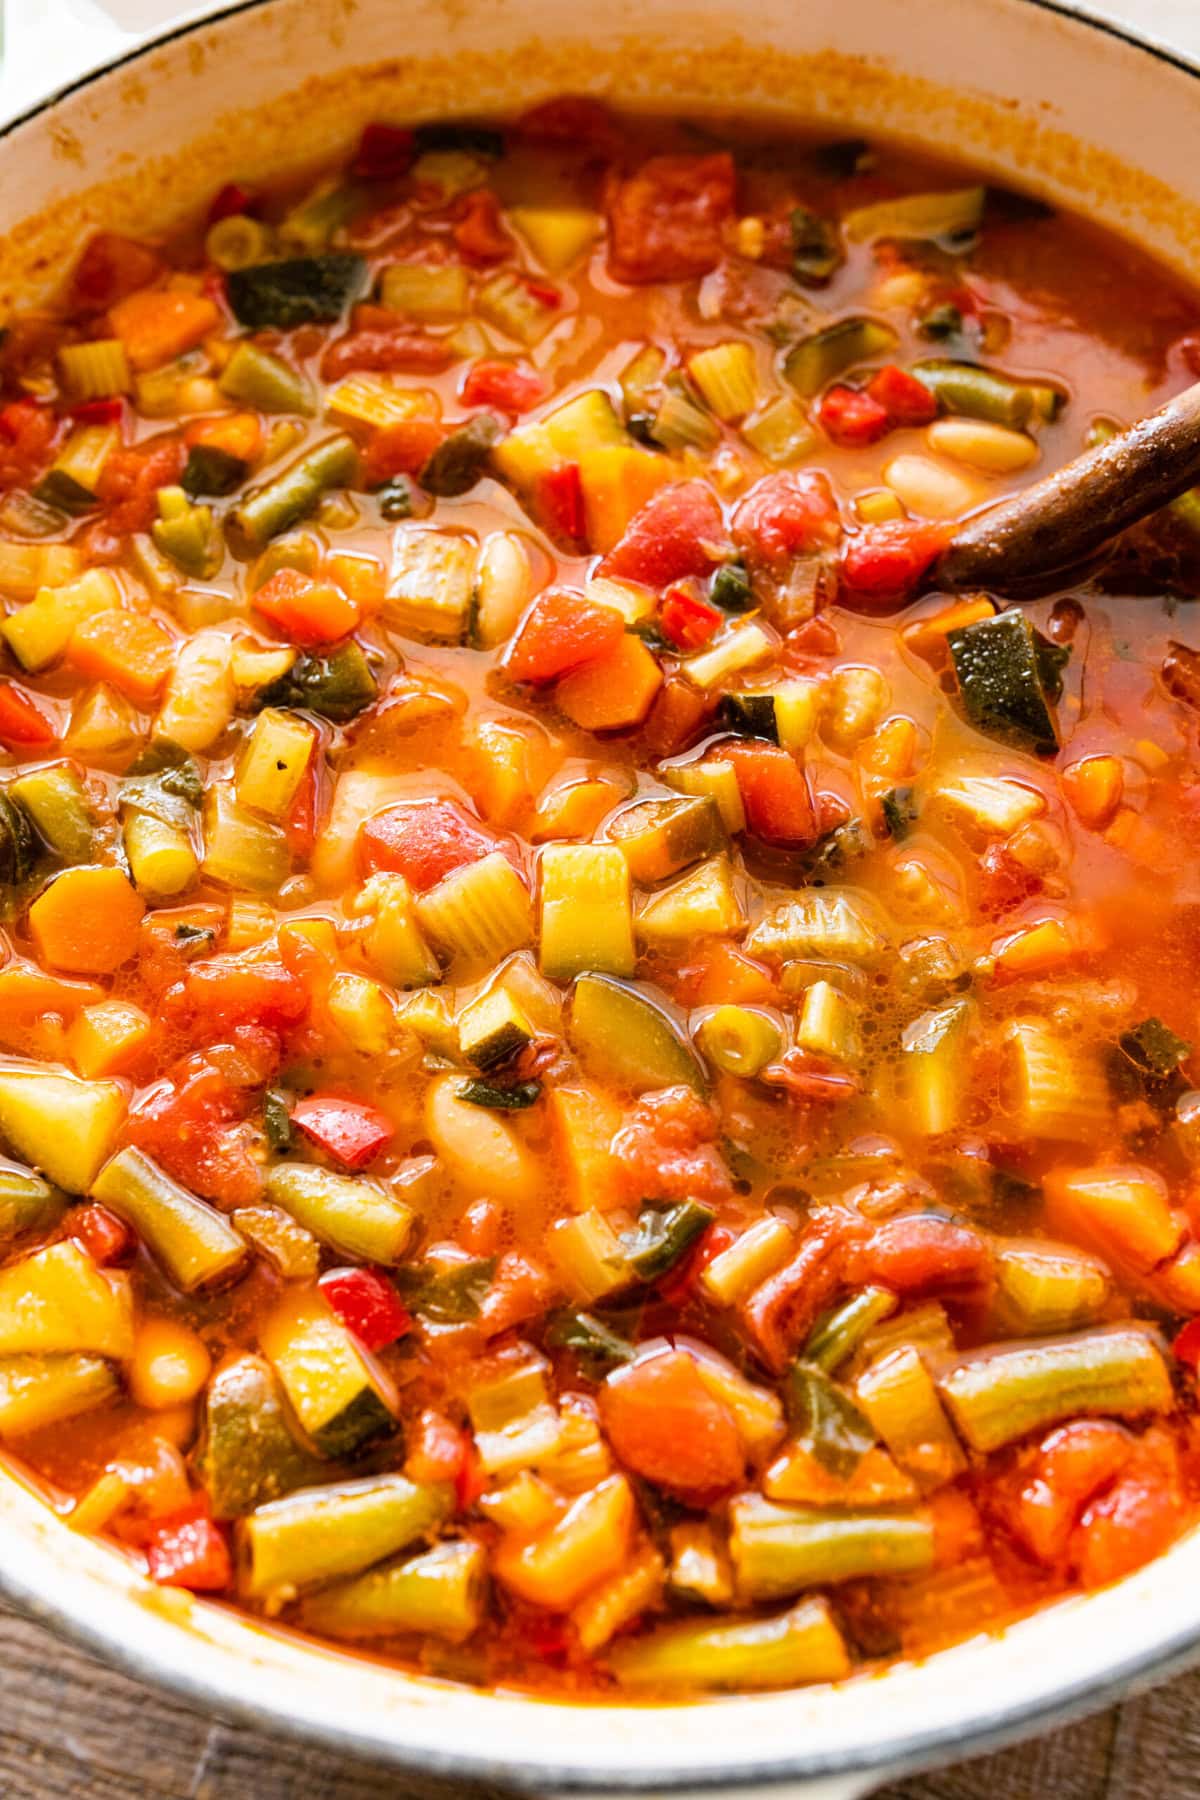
point(1060, 522)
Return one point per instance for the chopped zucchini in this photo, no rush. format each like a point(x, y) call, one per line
point(939, 215)
point(58, 1300)
point(250, 1454)
point(187, 534)
point(1043, 1288)
point(702, 903)
point(336, 684)
point(63, 1126)
point(27, 1203)
point(997, 1396)
point(254, 377)
point(38, 632)
point(935, 1068)
point(786, 715)
point(303, 290)
point(480, 912)
point(898, 1395)
point(274, 762)
point(211, 470)
point(680, 423)
point(240, 850)
point(627, 1039)
point(660, 838)
point(1009, 677)
point(514, 1420)
point(493, 1028)
point(431, 585)
point(712, 780)
point(42, 1390)
point(57, 802)
point(588, 1257)
point(323, 1532)
point(393, 943)
point(801, 1645)
point(780, 432)
point(819, 359)
point(352, 1213)
point(441, 1593)
point(195, 1243)
point(340, 1397)
point(779, 1550)
point(586, 912)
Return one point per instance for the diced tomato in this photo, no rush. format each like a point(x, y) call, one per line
point(905, 399)
point(1186, 1348)
point(350, 1131)
point(561, 632)
point(921, 1253)
point(128, 487)
point(110, 411)
point(575, 119)
point(884, 565)
point(385, 349)
point(384, 153)
point(775, 793)
point(188, 1550)
point(193, 1125)
point(367, 1304)
point(519, 1290)
point(426, 840)
point(851, 416)
point(665, 1425)
point(1069, 1467)
point(307, 610)
point(790, 514)
point(680, 532)
point(814, 642)
point(479, 233)
point(677, 1288)
point(560, 504)
point(667, 1149)
point(106, 1238)
point(304, 814)
point(439, 1449)
point(27, 430)
point(1003, 881)
point(512, 388)
point(230, 201)
point(666, 220)
point(688, 620)
point(1135, 1520)
point(402, 448)
point(228, 990)
point(544, 292)
point(111, 267)
point(23, 723)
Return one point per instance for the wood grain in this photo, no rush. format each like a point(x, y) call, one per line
point(71, 1729)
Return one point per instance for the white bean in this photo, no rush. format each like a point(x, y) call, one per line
point(481, 1150)
point(932, 488)
point(503, 584)
point(996, 449)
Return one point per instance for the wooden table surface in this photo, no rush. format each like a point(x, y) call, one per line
point(70, 1729)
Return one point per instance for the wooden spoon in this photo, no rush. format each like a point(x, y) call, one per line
point(1066, 519)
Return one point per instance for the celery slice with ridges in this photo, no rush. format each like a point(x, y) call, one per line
point(320, 1533)
point(999, 1395)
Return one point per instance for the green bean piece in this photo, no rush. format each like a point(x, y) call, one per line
point(442, 1591)
point(778, 1550)
point(352, 1213)
point(323, 1532)
point(838, 1333)
point(997, 1396)
point(253, 377)
point(816, 246)
point(800, 1645)
point(194, 1242)
point(663, 1238)
point(739, 1041)
point(817, 360)
point(336, 683)
point(979, 393)
point(187, 533)
point(295, 491)
point(27, 1202)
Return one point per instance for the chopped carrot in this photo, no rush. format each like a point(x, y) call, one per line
point(1124, 1211)
point(238, 434)
point(310, 611)
point(1093, 789)
point(106, 1038)
point(665, 1425)
point(613, 692)
point(1037, 950)
point(156, 324)
point(35, 1009)
point(127, 649)
point(617, 482)
point(359, 576)
point(926, 638)
point(889, 755)
point(585, 1121)
point(87, 921)
point(722, 975)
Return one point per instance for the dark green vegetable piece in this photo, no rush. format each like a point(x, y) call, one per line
point(18, 842)
point(1009, 676)
point(395, 498)
point(1154, 1047)
point(816, 246)
point(513, 1098)
point(750, 715)
point(826, 1420)
point(164, 781)
point(843, 158)
point(835, 852)
point(663, 1239)
point(899, 809)
point(838, 1333)
point(730, 588)
point(336, 684)
point(450, 1293)
point(250, 1455)
point(211, 470)
point(477, 140)
point(598, 1347)
point(195, 938)
point(941, 322)
point(460, 460)
point(57, 488)
point(979, 393)
point(277, 1120)
point(304, 290)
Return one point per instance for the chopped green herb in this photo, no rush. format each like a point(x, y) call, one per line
point(662, 1239)
point(596, 1345)
point(512, 1098)
point(277, 1120)
point(730, 588)
point(899, 809)
point(450, 1293)
point(826, 1420)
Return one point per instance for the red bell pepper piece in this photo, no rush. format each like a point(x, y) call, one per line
point(306, 609)
point(575, 119)
point(775, 793)
point(1186, 1347)
point(561, 631)
point(543, 292)
point(23, 723)
point(850, 416)
point(883, 566)
point(188, 1550)
point(905, 399)
point(348, 1130)
point(560, 502)
point(368, 1305)
point(426, 840)
point(384, 153)
point(687, 619)
point(107, 411)
point(680, 532)
point(106, 1238)
point(229, 201)
point(509, 387)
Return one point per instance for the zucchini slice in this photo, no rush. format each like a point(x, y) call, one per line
point(250, 1454)
point(627, 1038)
point(1009, 677)
point(341, 1399)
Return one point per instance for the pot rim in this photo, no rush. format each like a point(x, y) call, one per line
point(983, 1731)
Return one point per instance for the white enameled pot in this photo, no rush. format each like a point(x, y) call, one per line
point(1045, 94)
